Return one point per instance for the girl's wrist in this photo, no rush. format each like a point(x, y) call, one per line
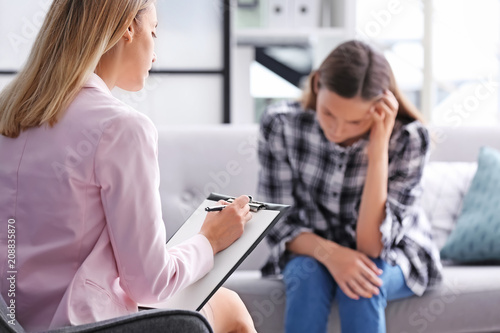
point(327, 251)
point(378, 152)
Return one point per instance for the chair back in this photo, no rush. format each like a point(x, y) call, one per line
point(6, 323)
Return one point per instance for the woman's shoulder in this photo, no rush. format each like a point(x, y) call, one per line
point(409, 133)
point(98, 109)
point(129, 119)
point(128, 122)
point(96, 98)
point(286, 113)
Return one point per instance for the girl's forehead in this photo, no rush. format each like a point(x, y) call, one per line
point(355, 108)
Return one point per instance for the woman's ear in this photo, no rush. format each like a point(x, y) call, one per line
point(129, 34)
point(315, 82)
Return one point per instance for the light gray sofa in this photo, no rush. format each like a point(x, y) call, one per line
point(197, 160)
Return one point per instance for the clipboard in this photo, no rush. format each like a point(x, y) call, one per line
point(196, 295)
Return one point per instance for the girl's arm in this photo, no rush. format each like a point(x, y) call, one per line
point(374, 197)
point(312, 245)
point(372, 207)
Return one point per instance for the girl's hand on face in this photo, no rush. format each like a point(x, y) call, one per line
point(355, 273)
point(384, 114)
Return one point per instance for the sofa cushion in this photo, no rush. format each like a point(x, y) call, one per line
point(467, 301)
point(475, 237)
point(444, 187)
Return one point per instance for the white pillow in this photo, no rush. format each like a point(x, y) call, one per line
point(444, 187)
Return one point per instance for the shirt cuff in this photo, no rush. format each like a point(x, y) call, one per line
point(206, 251)
point(294, 234)
point(387, 229)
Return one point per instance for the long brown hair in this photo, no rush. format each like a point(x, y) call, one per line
point(72, 40)
point(354, 69)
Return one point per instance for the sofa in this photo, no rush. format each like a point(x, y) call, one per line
point(197, 160)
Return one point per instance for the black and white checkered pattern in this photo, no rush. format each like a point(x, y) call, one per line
point(323, 182)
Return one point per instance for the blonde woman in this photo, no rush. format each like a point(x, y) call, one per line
point(79, 179)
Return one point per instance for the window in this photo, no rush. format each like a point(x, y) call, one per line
point(459, 88)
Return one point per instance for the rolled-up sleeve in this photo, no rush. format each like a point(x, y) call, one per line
point(404, 187)
point(127, 171)
point(276, 182)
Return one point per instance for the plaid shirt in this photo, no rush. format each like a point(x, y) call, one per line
point(323, 182)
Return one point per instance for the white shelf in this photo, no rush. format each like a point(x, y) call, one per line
point(263, 36)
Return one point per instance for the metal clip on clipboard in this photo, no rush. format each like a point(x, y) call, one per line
point(255, 206)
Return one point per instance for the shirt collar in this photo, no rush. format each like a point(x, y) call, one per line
point(362, 142)
point(94, 81)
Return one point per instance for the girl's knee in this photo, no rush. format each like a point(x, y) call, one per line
point(379, 262)
point(344, 300)
point(308, 281)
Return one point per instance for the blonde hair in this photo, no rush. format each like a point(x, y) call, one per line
point(72, 40)
point(353, 69)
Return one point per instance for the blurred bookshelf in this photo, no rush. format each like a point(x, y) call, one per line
point(266, 37)
point(293, 22)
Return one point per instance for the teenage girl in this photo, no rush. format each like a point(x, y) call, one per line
point(349, 160)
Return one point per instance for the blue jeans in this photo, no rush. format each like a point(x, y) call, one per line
point(311, 289)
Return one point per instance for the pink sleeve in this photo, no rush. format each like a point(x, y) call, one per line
point(126, 168)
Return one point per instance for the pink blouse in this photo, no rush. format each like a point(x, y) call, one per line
point(89, 235)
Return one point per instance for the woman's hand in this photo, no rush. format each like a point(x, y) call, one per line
point(354, 272)
point(224, 227)
point(384, 115)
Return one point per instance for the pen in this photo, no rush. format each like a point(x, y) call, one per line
point(215, 208)
point(254, 207)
